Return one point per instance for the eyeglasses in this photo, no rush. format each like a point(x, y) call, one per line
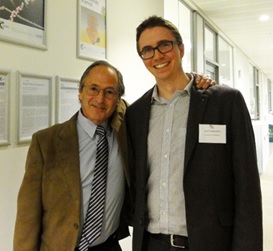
point(93, 90)
point(163, 47)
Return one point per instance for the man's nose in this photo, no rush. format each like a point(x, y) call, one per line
point(157, 53)
point(100, 97)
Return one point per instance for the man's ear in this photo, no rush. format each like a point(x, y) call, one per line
point(181, 49)
point(79, 97)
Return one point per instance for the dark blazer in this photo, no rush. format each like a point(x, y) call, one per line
point(49, 200)
point(221, 181)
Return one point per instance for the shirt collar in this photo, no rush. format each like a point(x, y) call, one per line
point(155, 96)
point(89, 127)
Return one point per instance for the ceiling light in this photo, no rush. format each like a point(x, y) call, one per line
point(264, 18)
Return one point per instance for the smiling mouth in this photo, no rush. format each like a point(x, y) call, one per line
point(159, 66)
point(98, 107)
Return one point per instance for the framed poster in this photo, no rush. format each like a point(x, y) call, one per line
point(34, 107)
point(91, 41)
point(4, 108)
point(67, 98)
point(23, 22)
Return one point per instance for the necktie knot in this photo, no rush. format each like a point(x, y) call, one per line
point(100, 131)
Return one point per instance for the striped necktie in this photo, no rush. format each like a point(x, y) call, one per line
point(93, 222)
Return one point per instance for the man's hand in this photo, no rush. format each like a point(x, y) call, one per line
point(203, 81)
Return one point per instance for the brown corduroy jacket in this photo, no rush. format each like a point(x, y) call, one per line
point(49, 200)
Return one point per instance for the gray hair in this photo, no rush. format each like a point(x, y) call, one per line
point(121, 87)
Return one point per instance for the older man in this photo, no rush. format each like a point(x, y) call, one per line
point(58, 184)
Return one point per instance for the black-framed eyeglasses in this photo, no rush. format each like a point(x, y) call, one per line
point(163, 47)
point(94, 90)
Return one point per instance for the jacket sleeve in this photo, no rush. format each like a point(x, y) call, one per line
point(248, 208)
point(29, 205)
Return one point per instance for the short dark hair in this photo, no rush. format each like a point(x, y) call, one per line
point(121, 86)
point(155, 21)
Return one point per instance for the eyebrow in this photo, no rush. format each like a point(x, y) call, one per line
point(158, 43)
point(93, 84)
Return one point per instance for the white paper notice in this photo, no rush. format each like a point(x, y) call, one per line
point(68, 100)
point(34, 105)
point(3, 110)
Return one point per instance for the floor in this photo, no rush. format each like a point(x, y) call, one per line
point(267, 193)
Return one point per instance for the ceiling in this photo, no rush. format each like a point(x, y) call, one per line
point(240, 21)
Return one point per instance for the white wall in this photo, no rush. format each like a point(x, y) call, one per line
point(60, 59)
point(242, 80)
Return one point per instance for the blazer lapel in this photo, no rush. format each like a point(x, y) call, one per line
point(143, 131)
point(68, 150)
point(198, 102)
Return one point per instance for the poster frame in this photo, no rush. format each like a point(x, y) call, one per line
point(5, 139)
point(29, 33)
point(23, 79)
point(91, 46)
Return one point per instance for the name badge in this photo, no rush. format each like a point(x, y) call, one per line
point(212, 134)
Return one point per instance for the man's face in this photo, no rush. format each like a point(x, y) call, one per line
point(162, 66)
point(99, 108)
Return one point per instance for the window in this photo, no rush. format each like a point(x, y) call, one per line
point(225, 63)
point(269, 88)
point(184, 26)
point(211, 66)
point(210, 44)
point(256, 93)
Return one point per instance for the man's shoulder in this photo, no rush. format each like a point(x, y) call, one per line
point(217, 90)
point(143, 100)
point(220, 95)
point(57, 127)
point(220, 88)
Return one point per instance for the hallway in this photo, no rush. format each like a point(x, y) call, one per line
point(267, 193)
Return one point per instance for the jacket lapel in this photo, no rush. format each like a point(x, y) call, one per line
point(198, 102)
point(68, 150)
point(143, 131)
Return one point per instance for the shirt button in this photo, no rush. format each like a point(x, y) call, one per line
point(76, 225)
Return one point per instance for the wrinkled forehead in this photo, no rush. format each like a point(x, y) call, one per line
point(102, 76)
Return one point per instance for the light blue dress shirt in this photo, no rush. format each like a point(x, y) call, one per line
point(115, 176)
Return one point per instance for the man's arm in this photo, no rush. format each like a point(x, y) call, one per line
point(29, 206)
point(248, 205)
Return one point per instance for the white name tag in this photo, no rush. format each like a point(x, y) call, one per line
point(212, 134)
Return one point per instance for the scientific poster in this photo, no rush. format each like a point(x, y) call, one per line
point(23, 22)
point(34, 105)
point(92, 29)
point(3, 109)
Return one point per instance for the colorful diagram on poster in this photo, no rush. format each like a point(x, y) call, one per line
point(92, 29)
point(23, 22)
